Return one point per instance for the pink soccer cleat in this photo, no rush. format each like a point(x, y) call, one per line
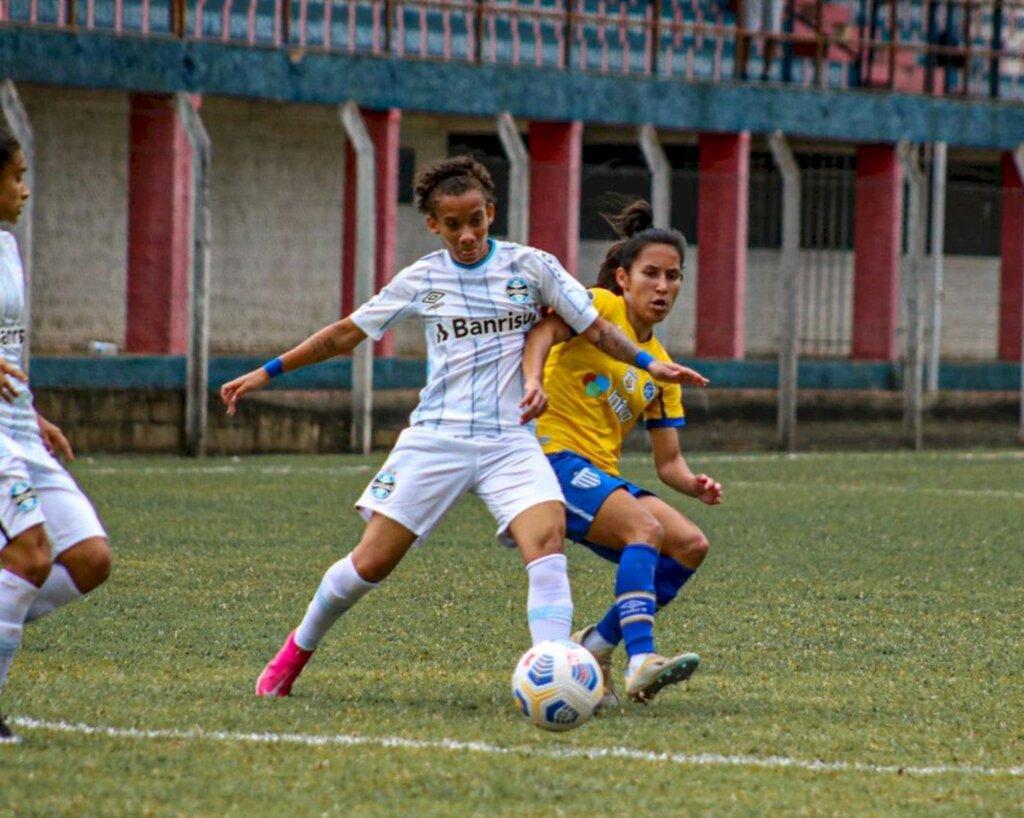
point(281, 672)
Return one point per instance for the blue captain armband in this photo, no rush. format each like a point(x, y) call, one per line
point(644, 360)
point(273, 368)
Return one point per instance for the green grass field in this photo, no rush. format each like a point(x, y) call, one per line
point(859, 619)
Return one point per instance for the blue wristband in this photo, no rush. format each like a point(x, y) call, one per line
point(643, 359)
point(273, 368)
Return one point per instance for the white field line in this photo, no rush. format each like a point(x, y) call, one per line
point(556, 753)
point(229, 469)
point(770, 457)
point(878, 489)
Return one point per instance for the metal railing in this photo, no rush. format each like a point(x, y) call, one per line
point(937, 47)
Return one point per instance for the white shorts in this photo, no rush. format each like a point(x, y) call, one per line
point(427, 473)
point(35, 488)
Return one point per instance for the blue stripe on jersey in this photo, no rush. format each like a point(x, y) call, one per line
point(422, 411)
point(554, 272)
point(663, 422)
point(492, 247)
point(476, 348)
point(496, 366)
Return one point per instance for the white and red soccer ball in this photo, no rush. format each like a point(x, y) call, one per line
point(557, 685)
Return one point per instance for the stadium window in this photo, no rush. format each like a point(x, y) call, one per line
point(764, 203)
point(973, 209)
point(827, 197)
point(487, 150)
point(615, 174)
point(611, 176)
point(828, 193)
point(406, 174)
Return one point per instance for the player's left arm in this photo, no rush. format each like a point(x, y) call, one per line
point(613, 342)
point(550, 331)
point(675, 472)
point(54, 439)
point(572, 302)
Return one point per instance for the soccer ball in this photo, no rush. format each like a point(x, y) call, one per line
point(557, 684)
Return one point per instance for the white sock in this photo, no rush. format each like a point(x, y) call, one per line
point(635, 661)
point(58, 590)
point(595, 641)
point(16, 596)
point(549, 601)
point(339, 590)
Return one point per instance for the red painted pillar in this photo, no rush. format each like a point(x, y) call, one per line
point(877, 234)
point(384, 127)
point(1011, 277)
point(556, 161)
point(722, 244)
point(159, 198)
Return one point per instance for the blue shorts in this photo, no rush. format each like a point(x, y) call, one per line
point(586, 488)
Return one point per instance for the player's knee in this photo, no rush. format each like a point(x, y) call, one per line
point(694, 550)
point(28, 555)
point(645, 528)
point(89, 563)
point(551, 538)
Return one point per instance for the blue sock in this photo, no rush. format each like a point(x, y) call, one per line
point(634, 597)
point(669, 577)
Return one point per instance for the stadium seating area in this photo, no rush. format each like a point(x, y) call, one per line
point(911, 46)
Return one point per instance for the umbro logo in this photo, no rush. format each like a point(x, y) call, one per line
point(433, 298)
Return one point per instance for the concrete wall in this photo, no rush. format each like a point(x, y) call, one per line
point(81, 216)
point(276, 202)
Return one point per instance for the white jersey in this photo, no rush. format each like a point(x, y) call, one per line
point(475, 319)
point(18, 418)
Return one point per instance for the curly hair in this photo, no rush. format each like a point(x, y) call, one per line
point(451, 177)
point(635, 224)
point(8, 147)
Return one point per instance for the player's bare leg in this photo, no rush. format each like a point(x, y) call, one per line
point(539, 531)
point(25, 562)
point(383, 545)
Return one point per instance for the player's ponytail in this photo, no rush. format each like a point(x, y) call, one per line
point(635, 224)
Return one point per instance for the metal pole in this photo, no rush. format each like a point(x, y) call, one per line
point(913, 380)
point(938, 220)
point(790, 314)
point(518, 178)
point(21, 129)
point(661, 190)
point(1018, 159)
point(197, 365)
point(365, 243)
point(661, 174)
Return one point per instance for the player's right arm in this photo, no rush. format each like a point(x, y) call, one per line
point(550, 331)
point(9, 373)
point(335, 339)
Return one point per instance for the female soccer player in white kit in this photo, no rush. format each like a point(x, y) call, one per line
point(477, 299)
point(53, 548)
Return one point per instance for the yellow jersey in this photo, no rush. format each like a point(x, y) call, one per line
point(594, 401)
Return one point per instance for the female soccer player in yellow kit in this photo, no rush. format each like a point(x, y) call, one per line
point(593, 403)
